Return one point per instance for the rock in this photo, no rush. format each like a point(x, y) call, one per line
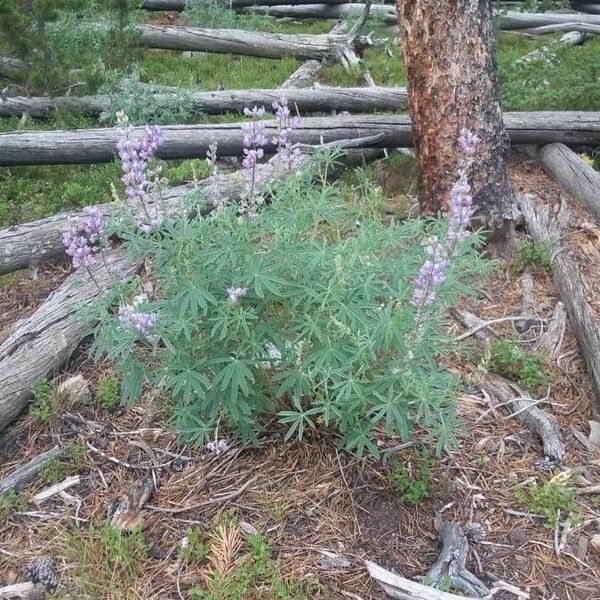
point(595, 542)
point(75, 389)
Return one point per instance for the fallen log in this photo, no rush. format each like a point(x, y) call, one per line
point(573, 174)
point(587, 7)
point(304, 76)
point(547, 53)
point(589, 28)
point(514, 20)
point(320, 99)
point(549, 229)
point(323, 11)
point(24, 474)
point(178, 5)
point(45, 340)
point(343, 48)
point(13, 68)
point(503, 392)
point(86, 146)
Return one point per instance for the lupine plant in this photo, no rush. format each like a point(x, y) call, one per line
point(307, 306)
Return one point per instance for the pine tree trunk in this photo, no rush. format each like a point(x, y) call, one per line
point(449, 54)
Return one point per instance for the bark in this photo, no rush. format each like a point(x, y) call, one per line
point(323, 11)
point(448, 48)
point(546, 228)
point(320, 99)
point(85, 146)
point(574, 175)
point(509, 395)
point(25, 474)
point(13, 68)
point(46, 339)
point(328, 47)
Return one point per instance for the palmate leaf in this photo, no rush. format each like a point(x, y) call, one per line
point(393, 411)
point(234, 378)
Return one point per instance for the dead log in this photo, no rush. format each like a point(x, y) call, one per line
point(304, 76)
point(23, 591)
point(46, 339)
point(320, 99)
point(23, 475)
point(503, 392)
point(574, 175)
point(547, 53)
point(177, 5)
point(343, 48)
point(521, 20)
point(86, 146)
point(587, 7)
point(13, 68)
point(589, 28)
point(546, 228)
point(323, 11)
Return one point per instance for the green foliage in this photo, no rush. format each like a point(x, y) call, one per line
point(543, 5)
point(550, 499)
point(144, 104)
point(412, 484)
point(329, 286)
point(43, 403)
point(108, 391)
point(507, 358)
point(197, 545)
point(530, 253)
point(213, 13)
point(59, 468)
point(253, 572)
point(9, 502)
point(105, 560)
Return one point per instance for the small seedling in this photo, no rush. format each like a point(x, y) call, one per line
point(550, 499)
point(530, 253)
point(43, 403)
point(9, 502)
point(57, 469)
point(197, 546)
point(413, 483)
point(508, 359)
point(108, 391)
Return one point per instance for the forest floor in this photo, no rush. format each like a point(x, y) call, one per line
point(310, 501)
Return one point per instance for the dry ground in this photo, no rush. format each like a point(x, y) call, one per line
point(310, 497)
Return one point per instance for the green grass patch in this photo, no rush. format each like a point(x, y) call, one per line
point(550, 499)
point(412, 483)
point(529, 253)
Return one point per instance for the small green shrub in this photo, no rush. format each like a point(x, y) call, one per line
point(197, 545)
point(508, 359)
point(43, 403)
point(530, 253)
point(548, 499)
point(59, 468)
point(413, 484)
point(10, 501)
point(108, 391)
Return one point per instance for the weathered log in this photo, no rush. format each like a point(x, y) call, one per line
point(13, 68)
point(508, 394)
point(323, 11)
point(304, 76)
point(546, 228)
point(47, 338)
point(333, 47)
point(546, 53)
point(589, 28)
point(521, 20)
point(587, 7)
point(86, 146)
point(320, 99)
point(23, 591)
point(177, 5)
point(23, 475)
point(574, 175)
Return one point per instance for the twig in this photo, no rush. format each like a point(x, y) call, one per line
point(485, 324)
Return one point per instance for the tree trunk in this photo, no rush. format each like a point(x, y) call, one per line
point(85, 146)
point(320, 99)
point(574, 175)
point(452, 78)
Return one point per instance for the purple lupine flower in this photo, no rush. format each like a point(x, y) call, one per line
point(288, 156)
point(215, 179)
point(235, 293)
point(142, 322)
point(83, 243)
point(221, 446)
point(254, 140)
point(461, 210)
point(135, 154)
point(431, 275)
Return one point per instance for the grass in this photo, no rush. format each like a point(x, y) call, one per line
point(57, 469)
point(9, 502)
point(529, 253)
point(108, 391)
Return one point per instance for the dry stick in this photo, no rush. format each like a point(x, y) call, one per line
point(321, 99)
point(192, 141)
point(47, 493)
point(503, 392)
point(26, 473)
point(573, 174)
point(549, 229)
